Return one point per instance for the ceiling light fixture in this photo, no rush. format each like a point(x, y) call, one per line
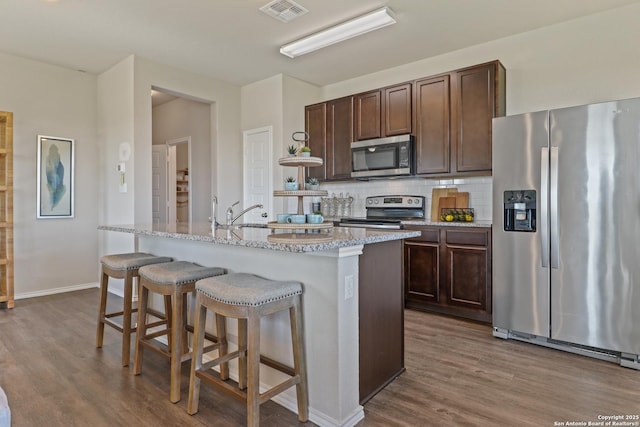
point(355, 27)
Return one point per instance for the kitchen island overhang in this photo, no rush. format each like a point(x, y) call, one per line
point(329, 272)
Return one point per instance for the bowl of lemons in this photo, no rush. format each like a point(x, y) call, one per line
point(456, 215)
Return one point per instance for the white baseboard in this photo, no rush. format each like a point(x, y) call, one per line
point(56, 290)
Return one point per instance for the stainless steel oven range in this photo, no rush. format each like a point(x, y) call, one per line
point(388, 212)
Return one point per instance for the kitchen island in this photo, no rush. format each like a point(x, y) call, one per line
point(330, 272)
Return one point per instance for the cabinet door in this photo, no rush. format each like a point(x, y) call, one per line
point(421, 271)
point(396, 110)
point(368, 108)
point(315, 123)
point(432, 125)
point(474, 107)
point(339, 138)
point(467, 269)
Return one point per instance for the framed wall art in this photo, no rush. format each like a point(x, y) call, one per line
point(56, 170)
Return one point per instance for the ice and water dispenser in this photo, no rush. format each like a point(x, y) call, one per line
point(520, 210)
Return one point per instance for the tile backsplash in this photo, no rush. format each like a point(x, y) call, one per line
point(479, 189)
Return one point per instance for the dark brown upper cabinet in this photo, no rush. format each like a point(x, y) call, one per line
point(453, 114)
point(383, 112)
point(450, 116)
point(339, 137)
point(315, 123)
point(432, 125)
point(330, 128)
point(478, 96)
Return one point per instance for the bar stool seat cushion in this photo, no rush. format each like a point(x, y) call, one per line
point(132, 260)
point(178, 272)
point(245, 289)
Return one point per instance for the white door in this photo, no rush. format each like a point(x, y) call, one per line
point(257, 173)
point(159, 183)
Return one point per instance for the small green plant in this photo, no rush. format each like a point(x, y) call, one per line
point(305, 149)
point(290, 179)
point(292, 149)
point(312, 181)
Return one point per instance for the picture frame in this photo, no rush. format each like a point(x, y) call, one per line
point(55, 177)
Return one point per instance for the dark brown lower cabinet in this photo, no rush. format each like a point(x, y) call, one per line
point(381, 306)
point(448, 270)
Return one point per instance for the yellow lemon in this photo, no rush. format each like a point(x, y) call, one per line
point(448, 218)
point(468, 218)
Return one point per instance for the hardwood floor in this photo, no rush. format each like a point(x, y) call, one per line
point(457, 375)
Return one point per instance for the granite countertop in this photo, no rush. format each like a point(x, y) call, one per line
point(473, 224)
point(429, 223)
point(263, 238)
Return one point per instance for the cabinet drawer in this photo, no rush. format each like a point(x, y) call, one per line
point(431, 235)
point(467, 237)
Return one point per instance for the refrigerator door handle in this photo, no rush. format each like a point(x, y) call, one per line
point(553, 208)
point(544, 206)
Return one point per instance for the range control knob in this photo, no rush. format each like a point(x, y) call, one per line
point(369, 201)
point(410, 201)
point(376, 201)
point(417, 201)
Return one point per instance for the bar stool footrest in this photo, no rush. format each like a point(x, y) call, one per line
point(222, 385)
point(212, 363)
point(277, 365)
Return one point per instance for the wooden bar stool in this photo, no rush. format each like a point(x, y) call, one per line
point(248, 298)
point(176, 280)
point(121, 266)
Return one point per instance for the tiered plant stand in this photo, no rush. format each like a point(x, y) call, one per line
point(294, 236)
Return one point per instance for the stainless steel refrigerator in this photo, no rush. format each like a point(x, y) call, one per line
point(566, 229)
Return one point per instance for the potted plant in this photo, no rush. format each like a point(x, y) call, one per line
point(305, 151)
point(292, 150)
point(290, 184)
point(312, 183)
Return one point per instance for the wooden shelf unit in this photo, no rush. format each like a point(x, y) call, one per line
point(182, 195)
point(6, 210)
point(301, 163)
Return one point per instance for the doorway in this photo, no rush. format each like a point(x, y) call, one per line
point(171, 190)
point(182, 125)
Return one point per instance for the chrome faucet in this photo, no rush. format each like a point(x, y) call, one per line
point(231, 219)
point(214, 209)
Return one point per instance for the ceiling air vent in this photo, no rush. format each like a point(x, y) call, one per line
point(283, 10)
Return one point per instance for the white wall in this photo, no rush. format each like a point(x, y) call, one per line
point(226, 136)
point(115, 127)
point(52, 254)
point(262, 106)
point(181, 118)
point(125, 115)
point(278, 102)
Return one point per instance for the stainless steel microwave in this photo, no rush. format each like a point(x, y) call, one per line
point(392, 156)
